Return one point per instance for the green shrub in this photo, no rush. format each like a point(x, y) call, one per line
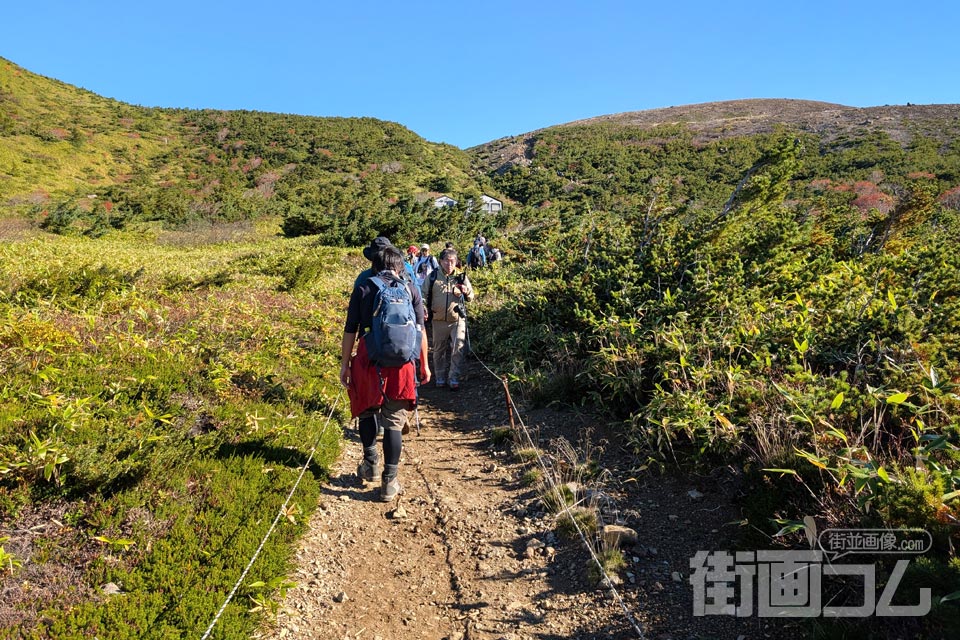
point(554, 499)
point(168, 425)
point(612, 561)
point(501, 436)
point(569, 520)
point(527, 454)
point(531, 477)
point(915, 500)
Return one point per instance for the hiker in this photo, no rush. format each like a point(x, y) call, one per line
point(380, 392)
point(376, 246)
point(413, 254)
point(449, 245)
point(445, 293)
point(495, 255)
point(478, 256)
point(426, 265)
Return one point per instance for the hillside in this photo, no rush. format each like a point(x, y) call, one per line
point(713, 121)
point(81, 163)
point(768, 287)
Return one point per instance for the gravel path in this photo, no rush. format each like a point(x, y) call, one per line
point(468, 552)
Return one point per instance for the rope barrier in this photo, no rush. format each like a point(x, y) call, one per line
point(554, 486)
point(280, 513)
point(547, 471)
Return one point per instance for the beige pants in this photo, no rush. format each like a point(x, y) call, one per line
point(449, 339)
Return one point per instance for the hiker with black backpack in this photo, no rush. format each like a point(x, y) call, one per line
point(381, 379)
point(446, 292)
point(477, 257)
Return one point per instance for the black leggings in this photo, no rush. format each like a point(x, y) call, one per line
point(392, 440)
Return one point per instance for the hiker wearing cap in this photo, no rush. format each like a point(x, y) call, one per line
point(426, 265)
point(376, 246)
point(378, 392)
point(413, 254)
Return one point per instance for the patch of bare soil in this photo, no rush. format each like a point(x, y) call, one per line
point(471, 553)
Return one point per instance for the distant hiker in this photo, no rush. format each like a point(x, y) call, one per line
point(478, 256)
point(381, 379)
point(413, 254)
point(376, 246)
point(445, 293)
point(494, 255)
point(426, 265)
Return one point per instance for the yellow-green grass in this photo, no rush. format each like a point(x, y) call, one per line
point(159, 399)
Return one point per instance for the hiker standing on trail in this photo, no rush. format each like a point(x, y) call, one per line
point(446, 291)
point(450, 245)
point(380, 390)
point(478, 255)
point(376, 246)
point(413, 255)
point(426, 265)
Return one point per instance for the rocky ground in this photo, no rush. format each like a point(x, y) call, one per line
point(469, 551)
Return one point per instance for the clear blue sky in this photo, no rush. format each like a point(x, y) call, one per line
point(470, 72)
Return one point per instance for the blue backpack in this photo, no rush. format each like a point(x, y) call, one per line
point(393, 339)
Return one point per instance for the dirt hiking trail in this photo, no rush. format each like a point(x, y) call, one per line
point(470, 553)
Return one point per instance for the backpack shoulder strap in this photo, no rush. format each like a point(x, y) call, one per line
point(433, 279)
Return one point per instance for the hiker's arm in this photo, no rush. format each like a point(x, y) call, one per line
point(424, 357)
point(424, 297)
point(346, 352)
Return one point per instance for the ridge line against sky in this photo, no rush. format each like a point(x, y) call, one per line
point(468, 73)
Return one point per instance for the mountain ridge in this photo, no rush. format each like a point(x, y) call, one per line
point(711, 121)
point(702, 116)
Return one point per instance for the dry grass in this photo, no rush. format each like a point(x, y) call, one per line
point(206, 233)
point(17, 229)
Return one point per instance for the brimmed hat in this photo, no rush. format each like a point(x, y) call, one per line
point(425, 246)
point(412, 248)
point(378, 245)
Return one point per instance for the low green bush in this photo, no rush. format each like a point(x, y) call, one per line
point(582, 518)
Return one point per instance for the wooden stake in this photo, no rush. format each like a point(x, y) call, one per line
point(506, 390)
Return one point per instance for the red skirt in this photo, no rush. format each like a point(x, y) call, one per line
point(369, 387)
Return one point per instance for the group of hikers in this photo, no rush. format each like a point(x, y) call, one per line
point(387, 321)
point(482, 254)
point(423, 262)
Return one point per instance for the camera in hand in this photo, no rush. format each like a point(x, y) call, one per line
point(460, 281)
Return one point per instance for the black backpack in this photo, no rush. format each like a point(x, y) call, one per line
point(473, 259)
